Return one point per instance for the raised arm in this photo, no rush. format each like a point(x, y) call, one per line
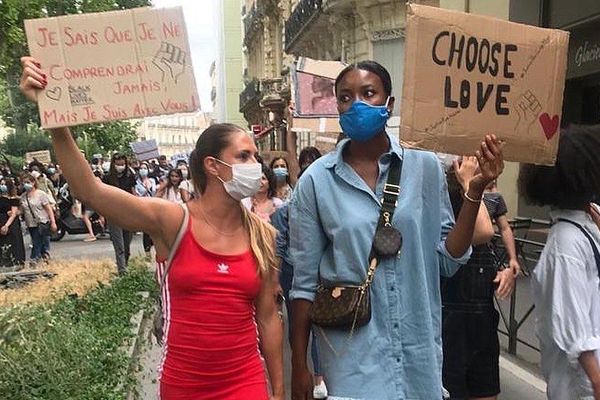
point(124, 209)
point(491, 164)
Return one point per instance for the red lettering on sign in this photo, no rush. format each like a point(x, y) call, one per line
point(171, 30)
point(114, 36)
point(73, 38)
point(48, 38)
point(146, 33)
point(51, 117)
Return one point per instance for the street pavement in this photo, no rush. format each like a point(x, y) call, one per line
point(519, 380)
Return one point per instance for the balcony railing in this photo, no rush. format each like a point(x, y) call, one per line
point(251, 93)
point(302, 15)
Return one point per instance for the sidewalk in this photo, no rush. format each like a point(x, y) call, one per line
point(516, 382)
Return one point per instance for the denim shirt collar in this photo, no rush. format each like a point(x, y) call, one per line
point(338, 156)
point(344, 171)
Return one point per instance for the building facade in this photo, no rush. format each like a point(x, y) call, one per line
point(581, 102)
point(228, 82)
point(174, 134)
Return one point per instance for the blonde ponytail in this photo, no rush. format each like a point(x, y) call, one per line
point(262, 240)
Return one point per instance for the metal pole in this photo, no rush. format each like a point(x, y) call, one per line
point(513, 326)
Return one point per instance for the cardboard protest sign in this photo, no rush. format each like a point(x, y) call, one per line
point(113, 65)
point(42, 156)
point(314, 87)
point(145, 149)
point(468, 75)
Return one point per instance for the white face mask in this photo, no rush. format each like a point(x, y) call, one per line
point(245, 180)
point(35, 174)
point(106, 167)
point(184, 173)
point(119, 168)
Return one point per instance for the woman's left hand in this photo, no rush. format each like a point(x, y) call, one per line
point(491, 163)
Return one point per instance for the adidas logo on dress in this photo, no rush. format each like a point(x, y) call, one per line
point(222, 268)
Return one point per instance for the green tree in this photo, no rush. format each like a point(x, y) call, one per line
point(106, 138)
point(17, 112)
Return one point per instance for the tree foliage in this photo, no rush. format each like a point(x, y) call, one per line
point(15, 110)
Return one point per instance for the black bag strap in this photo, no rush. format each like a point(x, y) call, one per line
point(589, 237)
point(389, 201)
point(35, 218)
point(391, 191)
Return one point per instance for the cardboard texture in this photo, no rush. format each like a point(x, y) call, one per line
point(313, 87)
point(42, 156)
point(113, 65)
point(145, 149)
point(467, 75)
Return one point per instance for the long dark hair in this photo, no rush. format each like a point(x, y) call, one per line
point(112, 177)
point(10, 186)
point(268, 173)
point(371, 66)
point(211, 143)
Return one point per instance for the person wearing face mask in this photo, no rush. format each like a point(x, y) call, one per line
point(283, 189)
point(55, 177)
point(338, 205)
point(145, 187)
point(37, 170)
point(169, 189)
point(123, 178)
point(186, 186)
point(39, 217)
point(264, 203)
point(216, 264)
point(12, 249)
point(280, 221)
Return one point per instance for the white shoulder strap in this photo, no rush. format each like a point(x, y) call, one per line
point(175, 246)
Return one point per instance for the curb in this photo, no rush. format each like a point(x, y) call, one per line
point(137, 323)
point(523, 374)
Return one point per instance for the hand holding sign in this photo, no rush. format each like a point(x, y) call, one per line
point(491, 163)
point(170, 60)
point(33, 78)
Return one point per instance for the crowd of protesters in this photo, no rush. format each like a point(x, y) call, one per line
point(232, 233)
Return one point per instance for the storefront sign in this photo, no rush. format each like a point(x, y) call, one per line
point(113, 65)
point(468, 75)
point(584, 53)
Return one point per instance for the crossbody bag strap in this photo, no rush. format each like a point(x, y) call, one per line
point(35, 218)
point(589, 237)
point(175, 246)
point(389, 201)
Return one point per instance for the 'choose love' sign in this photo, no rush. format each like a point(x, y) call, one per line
point(467, 75)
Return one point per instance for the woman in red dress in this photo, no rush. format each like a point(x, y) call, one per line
point(220, 292)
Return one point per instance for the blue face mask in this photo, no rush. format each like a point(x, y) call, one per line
point(51, 171)
point(27, 187)
point(143, 172)
point(3, 188)
point(363, 121)
point(280, 172)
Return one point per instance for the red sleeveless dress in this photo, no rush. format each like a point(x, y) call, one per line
point(211, 337)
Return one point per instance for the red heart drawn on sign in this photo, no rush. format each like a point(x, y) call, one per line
point(550, 125)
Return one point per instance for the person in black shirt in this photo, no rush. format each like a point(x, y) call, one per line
point(122, 176)
point(12, 250)
point(469, 319)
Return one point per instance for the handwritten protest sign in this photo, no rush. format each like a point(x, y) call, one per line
point(42, 156)
point(113, 65)
point(145, 149)
point(468, 75)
